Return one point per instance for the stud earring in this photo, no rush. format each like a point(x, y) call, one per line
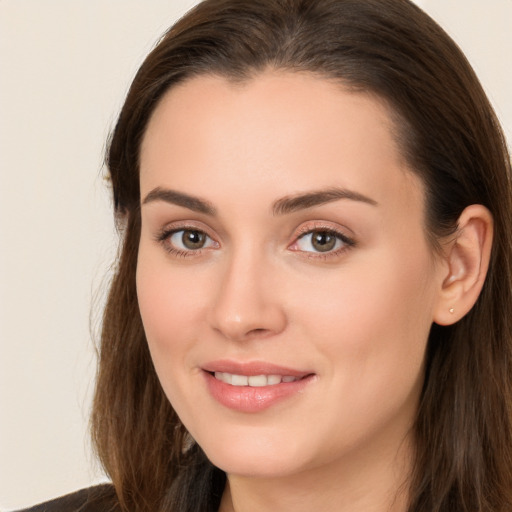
point(451, 310)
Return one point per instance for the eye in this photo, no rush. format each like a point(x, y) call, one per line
point(322, 241)
point(189, 239)
point(186, 242)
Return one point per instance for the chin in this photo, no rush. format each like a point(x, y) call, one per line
point(261, 457)
point(256, 467)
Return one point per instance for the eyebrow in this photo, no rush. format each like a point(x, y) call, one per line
point(295, 203)
point(283, 206)
point(180, 199)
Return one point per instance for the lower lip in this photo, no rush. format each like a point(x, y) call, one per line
point(253, 399)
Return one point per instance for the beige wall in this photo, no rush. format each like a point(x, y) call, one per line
point(65, 68)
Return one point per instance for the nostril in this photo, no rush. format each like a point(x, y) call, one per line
point(257, 333)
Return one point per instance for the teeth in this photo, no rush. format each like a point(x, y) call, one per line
point(239, 380)
point(253, 380)
point(257, 380)
point(273, 379)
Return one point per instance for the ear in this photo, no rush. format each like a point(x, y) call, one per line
point(467, 260)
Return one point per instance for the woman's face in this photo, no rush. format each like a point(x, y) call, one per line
point(284, 278)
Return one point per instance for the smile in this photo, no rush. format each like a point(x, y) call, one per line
point(256, 381)
point(254, 387)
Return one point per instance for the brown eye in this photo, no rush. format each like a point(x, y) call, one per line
point(193, 240)
point(187, 241)
point(323, 241)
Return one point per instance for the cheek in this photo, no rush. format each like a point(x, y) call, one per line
point(365, 296)
point(170, 304)
point(371, 328)
point(373, 319)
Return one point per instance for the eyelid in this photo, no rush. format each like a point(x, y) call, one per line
point(319, 226)
point(322, 225)
point(165, 233)
point(187, 224)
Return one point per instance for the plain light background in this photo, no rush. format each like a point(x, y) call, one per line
point(65, 68)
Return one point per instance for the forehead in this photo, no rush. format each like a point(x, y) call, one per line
point(278, 131)
point(210, 101)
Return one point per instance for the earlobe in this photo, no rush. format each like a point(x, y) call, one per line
point(467, 257)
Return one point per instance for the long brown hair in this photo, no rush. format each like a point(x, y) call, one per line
point(450, 137)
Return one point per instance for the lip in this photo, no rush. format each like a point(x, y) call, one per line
point(253, 368)
point(253, 399)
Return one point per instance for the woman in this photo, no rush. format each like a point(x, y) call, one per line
point(312, 302)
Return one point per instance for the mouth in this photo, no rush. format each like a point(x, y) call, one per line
point(255, 381)
point(254, 387)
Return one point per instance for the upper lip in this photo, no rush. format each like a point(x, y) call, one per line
point(252, 368)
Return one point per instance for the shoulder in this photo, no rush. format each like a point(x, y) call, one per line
point(100, 498)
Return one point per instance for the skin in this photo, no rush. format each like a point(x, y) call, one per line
point(358, 317)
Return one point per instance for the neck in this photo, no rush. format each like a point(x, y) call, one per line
point(373, 482)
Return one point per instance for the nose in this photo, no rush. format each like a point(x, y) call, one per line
point(247, 304)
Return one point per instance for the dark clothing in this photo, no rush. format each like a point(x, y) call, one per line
point(100, 498)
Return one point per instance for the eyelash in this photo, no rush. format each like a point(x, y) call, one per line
point(347, 243)
point(164, 239)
